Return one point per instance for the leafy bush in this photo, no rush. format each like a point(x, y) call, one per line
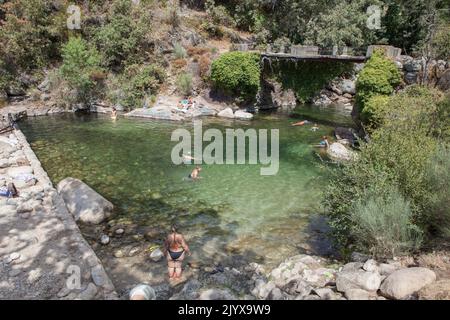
point(374, 110)
point(122, 37)
point(382, 224)
point(218, 14)
point(237, 73)
point(136, 82)
point(31, 32)
point(379, 76)
point(213, 30)
point(79, 64)
point(184, 83)
point(398, 155)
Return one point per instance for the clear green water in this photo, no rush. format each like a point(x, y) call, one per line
point(232, 209)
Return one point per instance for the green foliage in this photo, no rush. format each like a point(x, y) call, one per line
point(31, 32)
point(79, 64)
point(218, 14)
point(184, 83)
point(135, 83)
point(179, 52)
point(379, 76)
point(382, 224)
point(237, 73)
point(438, 178)
point(122, 37)
point(306, 78)
point(374, 110)
point(441, 42)
point(398, 155)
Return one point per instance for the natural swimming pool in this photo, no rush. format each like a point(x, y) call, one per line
point(232, 209)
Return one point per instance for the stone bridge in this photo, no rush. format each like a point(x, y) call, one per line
point(315, 53)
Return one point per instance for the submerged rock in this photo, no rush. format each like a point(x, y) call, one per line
point(156, 255)
point(142, 292)
point(85, 204)
point(242, 115)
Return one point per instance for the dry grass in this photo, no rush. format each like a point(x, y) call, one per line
point(434, 260)
point(179, 63)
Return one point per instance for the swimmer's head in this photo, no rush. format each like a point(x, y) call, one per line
point(198, 168)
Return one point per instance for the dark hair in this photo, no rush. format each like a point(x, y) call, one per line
point(114, 108)
point(174, 228)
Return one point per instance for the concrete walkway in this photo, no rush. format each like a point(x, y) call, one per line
point(42, 252)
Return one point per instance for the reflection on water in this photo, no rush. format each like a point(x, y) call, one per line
point(232, 209)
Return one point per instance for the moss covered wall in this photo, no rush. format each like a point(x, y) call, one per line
point(305, 78)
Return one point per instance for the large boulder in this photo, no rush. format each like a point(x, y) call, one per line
point(83, 202)
point(347, 86)
point(338, 151)
point(160, 112)
point(226, 113)
point(369, 281)
point(242, 115)
point(404, 282)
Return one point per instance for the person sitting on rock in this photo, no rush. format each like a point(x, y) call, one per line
point(175, 249)
point(324, 143)
point(10, 191)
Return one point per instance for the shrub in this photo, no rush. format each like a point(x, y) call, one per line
point(438, 178)
point(218, 14)
point(80, 63)
point(179, 63)
point(213, 30)
point(374, 110)
point(237, 73)
point(179, 52)
point(398, 155)
point(379, 76)
point(136, 82)
point(382, 225)
point(122, 36)
point(204, 63)
point(184, 83)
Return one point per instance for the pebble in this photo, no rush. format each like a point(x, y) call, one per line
point(119, 231)
point(104, 239)
point(119, 254)
point(12, 257)
point(133, 251)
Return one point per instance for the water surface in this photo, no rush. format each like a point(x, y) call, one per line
point(232, 209)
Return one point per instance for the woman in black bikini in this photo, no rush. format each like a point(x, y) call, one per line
point(175, 249)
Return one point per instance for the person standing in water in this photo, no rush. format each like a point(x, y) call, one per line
point(114, 114)
point(175, 250)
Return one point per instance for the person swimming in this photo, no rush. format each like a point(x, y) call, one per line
point(194, 175)
point(301, 123)
point(175, 250)
point(315, 127)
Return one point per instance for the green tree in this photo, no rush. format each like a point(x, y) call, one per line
point(379, 76)
point(237, 73)
point(80, 62)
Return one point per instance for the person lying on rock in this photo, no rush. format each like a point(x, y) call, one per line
point(175, 249)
